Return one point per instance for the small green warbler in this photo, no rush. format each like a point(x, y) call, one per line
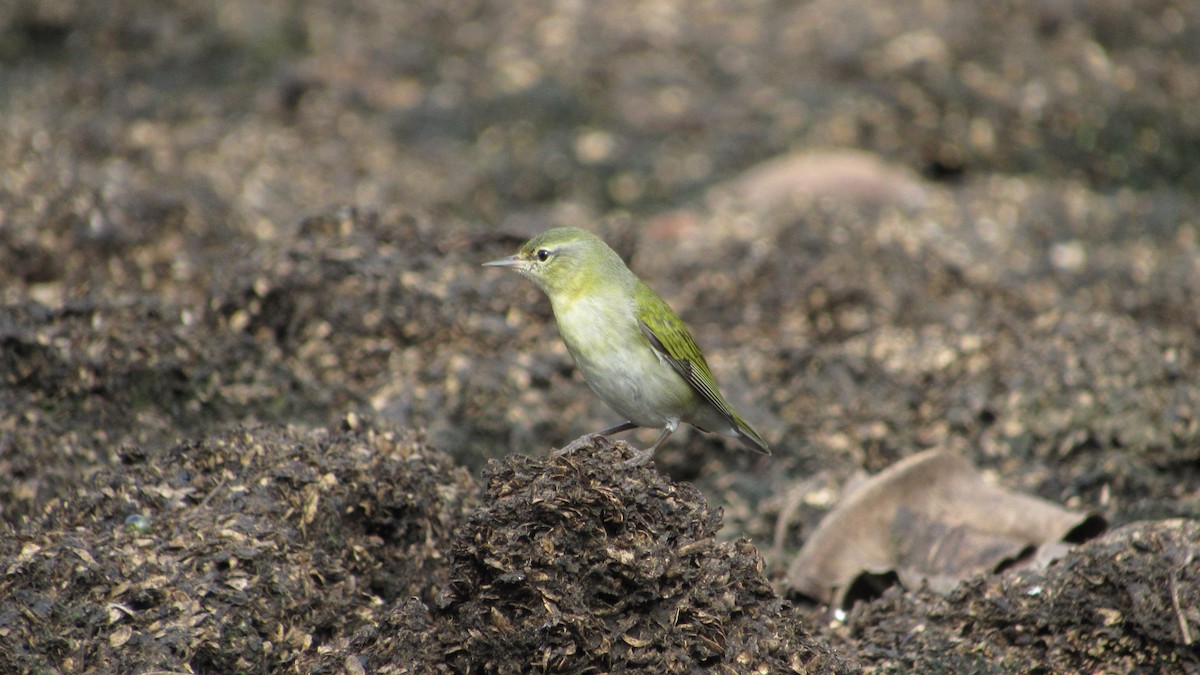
point(632, 349)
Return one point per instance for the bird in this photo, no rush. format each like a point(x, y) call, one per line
point(634, 352)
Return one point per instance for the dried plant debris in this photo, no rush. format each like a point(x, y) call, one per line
point(238, 553)
point(1126, 602)
point(576, 564)
point(929, 519)
point(967, 226)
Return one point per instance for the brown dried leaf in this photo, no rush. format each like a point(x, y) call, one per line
point(928, 519)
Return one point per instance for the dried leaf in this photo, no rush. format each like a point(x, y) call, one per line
point(929, 519)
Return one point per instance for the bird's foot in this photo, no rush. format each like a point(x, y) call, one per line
point(586, 440)
point(590, 440)
point(639, 458)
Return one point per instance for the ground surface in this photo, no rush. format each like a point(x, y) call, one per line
point(261, 410)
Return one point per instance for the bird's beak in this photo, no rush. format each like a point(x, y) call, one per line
point(513, 261)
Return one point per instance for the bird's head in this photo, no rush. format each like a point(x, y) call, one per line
point(567, 262)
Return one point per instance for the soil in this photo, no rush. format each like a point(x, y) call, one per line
point(262, 411)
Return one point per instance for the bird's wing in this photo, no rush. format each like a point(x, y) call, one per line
point(671, 339)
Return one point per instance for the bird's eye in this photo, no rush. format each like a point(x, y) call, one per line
point(542, 254)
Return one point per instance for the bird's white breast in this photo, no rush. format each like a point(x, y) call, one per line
point(619, 365)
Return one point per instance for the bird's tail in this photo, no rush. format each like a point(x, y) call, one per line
point(750, 437)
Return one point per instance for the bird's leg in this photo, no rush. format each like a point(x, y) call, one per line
point(589, 438)
point(640, 457)
point(624, 426)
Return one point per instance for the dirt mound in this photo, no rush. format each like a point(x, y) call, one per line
point(234, 553)
point(577, 564)
point(1125, 603)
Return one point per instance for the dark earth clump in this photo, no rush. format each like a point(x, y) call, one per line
point(236, 553)
point(251, 370)
point(582, 565)
point(1123, 603)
